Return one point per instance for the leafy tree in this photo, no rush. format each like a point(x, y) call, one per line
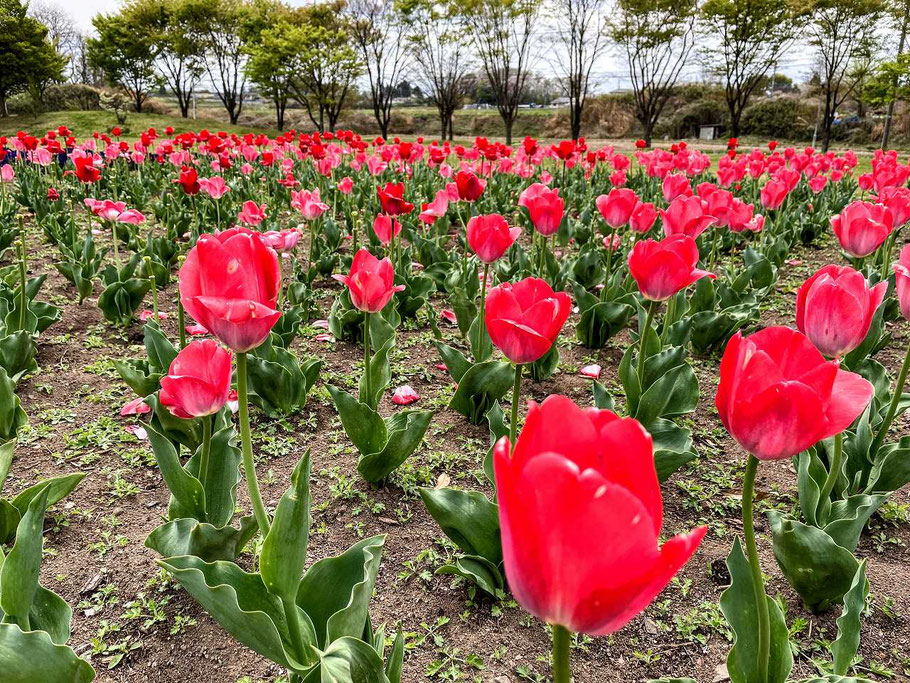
point(899, 12)
point(656, 37)
point(28, 60)
point(840, 31)
point(753, 36)
point(125, 54)
point(273, 56)
point(889, 82)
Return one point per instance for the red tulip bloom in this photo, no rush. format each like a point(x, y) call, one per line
point(386, 228)
point(371, 282)
point(199, 380)
point(490, 236)
point(545, 208)
point(676, 185)
point(778, 395)
point(575, 476)
point(662, 268)
point(686, 216)
point(470, 187)
point(86, 170)
point(188, 180)
point(643, 217)
point(897, 199)
point(834, 308)
point(524, 319)
point(391, 199)
point(229, 283)
point(618, 206)
point(902, 281)
point(862, 227)
point(773, 194)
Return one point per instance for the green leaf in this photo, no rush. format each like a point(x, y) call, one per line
point(161, 352)
point(602, 398)
point(405, 432)
point(395, 661)
point(12, 417)
point(223, 476)
point(848, 518)
point(477, 570)
point(335, 592)
point(57, 489)
point(17, 354)
point(380, 374)
point(849, 623)
point(187, 491)
point(7, 449)
point(480, 387)
point(454, 360)
point(891, 470)
point(30, 657)
point(284, 549)
point(187, 536)
point(363, 425)
point(741, 611)
point(19, 575)
point(350, 660)
point(818, 569)
point(468, 518)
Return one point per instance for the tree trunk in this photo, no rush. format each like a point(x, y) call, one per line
point(575, 120)
point(508, 121)
point(279, 114)
point(4, 112)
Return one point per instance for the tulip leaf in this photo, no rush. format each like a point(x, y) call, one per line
point(57, 489)
point(220, 483)
point(351, 660)
point(674, 391)
point(468, 519)
point(363, 425)
point(187, 493)
point(818, 568)
point(241, 604)
point(480, 387)
point(477, 570)
point(335, 592)
point(12, 416)
point(19, 574)
point(545, 366)
point(739, 607)
point(455, 361)
point(380, 374)
point(811, 475)
point(602, 397)
point(7, 449)
point(284, 548)
point(481, 344)
point(187, 536)
point(844, 647)
point(395, 661)
point(279, 381)
point(405, 432)
point(498, 429)
point(138, 376)
point(600, 320)
point(30, 656)
point(17, 354)
point(848, 518)
point(119, 300)
point(891, 470)
point(159, 349)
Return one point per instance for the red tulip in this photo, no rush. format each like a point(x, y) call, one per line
point(897, 199)
point(470, 187)
point(778, 395)
point(391, 199)
point(545, 208)
point(676, 185)
point(834, 308)
point(643, 217)
point(199, 380)
point(617, 207)
point(574, 476)
point(902, 281)
point(386, 228)
point(662, 268)
point(370, 281)
point(188, 180)
point(523, 319)
point(862, 227)
point(86, 171)
point(686, 216)
point(490, 236)
point(773, 194)
point(229, 283)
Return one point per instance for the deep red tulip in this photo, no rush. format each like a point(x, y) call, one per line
point(834, 308)
point(545, 208)
point(618, 206)
point(862, 227)
point(371, 282)
point(662, 268)
point(902, 281)
point(523, 319)
point(576, 475)
point(188, 180)
point(391, 199)
point(686, 216)
point(778, 395)
point(470, 187)
point(229, 283)
point(490, 236)
point(86, 171)
point(199, 380)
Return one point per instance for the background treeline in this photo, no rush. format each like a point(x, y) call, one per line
point(368, 63)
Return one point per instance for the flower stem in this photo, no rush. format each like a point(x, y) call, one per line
point(834, 472)
point(483, 301)
point(292, 616)
point(560, 663)
point(116, 245)
point(761, 598)
point(249, 467)
point(367, 380)
point(892, 407)
point(642, 345)
point(151, 274)
point(516, 390)
point(23, 276)
point(206, 449)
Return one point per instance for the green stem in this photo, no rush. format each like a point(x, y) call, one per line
point(483, 302)
point(206, 449)
point(516, 390)
point(609, 246)
point(181, 322)
point(834, 472)
point(561, 640)
point(309, 258)
point(249, 467)
point(758, 586)
point(148, 267)
point(366, 358)
point(23, 276)
point(642, 345)
point(541, 257)
point(116, 245)
point(668, 318)
point(292, 616)
point(892, 407)
point(713, 257)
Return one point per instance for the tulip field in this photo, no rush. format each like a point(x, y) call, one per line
point(323, 408)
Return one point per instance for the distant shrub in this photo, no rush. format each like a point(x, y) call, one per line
point(779, 118)
point(60, 97)
point(685, 121)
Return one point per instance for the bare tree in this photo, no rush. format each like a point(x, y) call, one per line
point(441, 57)
point(61, 29)
point(840, 31)
point(377, 30)
point(502, 32)
point(580, 36)
point(656, 37)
